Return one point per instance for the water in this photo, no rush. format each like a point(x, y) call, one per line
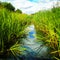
point(35, 49)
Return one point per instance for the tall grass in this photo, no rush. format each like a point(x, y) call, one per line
point(47, 25)
point(12, 27)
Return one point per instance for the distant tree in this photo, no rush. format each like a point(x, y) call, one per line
point(0, 2)
point(9, 7)
point(1, 6)
point(58, 3)
point(18, 11)
point(56, 7)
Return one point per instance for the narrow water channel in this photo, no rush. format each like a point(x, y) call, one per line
point(34, 49)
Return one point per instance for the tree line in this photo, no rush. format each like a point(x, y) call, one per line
point(9, 6)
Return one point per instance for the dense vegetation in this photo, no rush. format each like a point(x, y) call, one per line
point(12, 25)
point(47, 25)
point(7, 6)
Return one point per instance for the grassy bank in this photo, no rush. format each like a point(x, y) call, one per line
point(12, 27)
point(47, 25)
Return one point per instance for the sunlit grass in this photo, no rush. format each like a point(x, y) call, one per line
point(12, 25)
point(47, 24)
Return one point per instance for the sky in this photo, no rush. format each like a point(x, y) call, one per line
point(32, 6)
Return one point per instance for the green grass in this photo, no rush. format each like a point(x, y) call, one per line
point(47, 25)
point(12, 25)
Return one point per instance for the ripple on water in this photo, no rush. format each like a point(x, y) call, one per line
point(39, 49)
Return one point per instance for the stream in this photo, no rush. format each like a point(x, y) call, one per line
point(34, 50)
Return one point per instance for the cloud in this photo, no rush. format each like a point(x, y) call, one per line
point(32, 6)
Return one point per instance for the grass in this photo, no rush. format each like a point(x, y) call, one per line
point(47, 25)
point(12, 25)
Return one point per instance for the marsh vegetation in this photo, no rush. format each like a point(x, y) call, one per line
point(12, 30)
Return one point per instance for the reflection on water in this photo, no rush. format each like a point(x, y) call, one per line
point(34, 50)
point(31, 35)
point(38, 50)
